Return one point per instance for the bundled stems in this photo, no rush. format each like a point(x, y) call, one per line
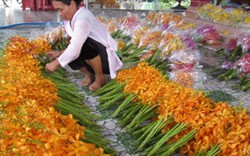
point(214, 150)
point(124, 104)
point(169, 134)
point(145, 109)
point(109, 103)
point(129, 113)
point(150, 133)
point(180, 143)
point(108, 87)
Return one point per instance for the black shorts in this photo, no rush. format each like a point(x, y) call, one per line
point(90, 50)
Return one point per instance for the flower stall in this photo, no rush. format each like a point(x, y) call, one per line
point(158, 98)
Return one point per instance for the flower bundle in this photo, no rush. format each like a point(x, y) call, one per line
point(161, 47)
point(235, 18)
point(139, 32)
point(185, 59)
point(129, 23)
point(29, 122)
point(230, 45)
point(244, 42)
point(236, 64)
point(170, 42)
point(151, 38)
point(183, 56)
point(170, 20)
point(57, 37)
point(206, 35)
point(147, 89)
point(147, 41)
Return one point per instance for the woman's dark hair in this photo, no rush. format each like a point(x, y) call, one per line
point(67, 2)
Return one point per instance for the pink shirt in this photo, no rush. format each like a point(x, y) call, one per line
point(83, 25)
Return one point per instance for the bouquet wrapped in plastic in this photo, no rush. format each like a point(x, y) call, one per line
point(147, 54)
point(169, 19)
point(139, 32)
point(206, 35)
point(185, 69)
point(244, 41)
point(170, 43)
point(193, 79)
point(57, 37)
point(129, 24)
point(151, 38)
point(235, 48)
point(151, 17)
point(187, 58)
point(182, 60)
point(230, 46)
point(243, 64)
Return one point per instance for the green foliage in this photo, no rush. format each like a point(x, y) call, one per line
point(217, 96)
point(127, 140)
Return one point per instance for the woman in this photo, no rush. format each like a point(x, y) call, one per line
point(91, 50)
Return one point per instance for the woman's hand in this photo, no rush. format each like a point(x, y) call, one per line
point(52, 66)
point(53, 54)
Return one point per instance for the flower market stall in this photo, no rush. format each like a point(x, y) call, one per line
point(158, 98)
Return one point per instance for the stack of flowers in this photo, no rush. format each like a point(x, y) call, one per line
point(206, 35)
point(29, 122)
point(237, 63)
point(138, 33)
point(162, 36)
point(151, 38)
point(57, 37)
point(129, 23)
point(235, 18)
point(169, 43)
point(215, 122)
point(184, 65)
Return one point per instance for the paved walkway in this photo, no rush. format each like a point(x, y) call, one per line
point(11, 16)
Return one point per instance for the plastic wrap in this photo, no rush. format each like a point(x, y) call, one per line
point(54, 34)
point(139, 32)
point(182, 78)
point(230, 46)
point(184, 60)
point(57, 37)
point(244, 41)
point(193, 79)
point(147, 54)
point(151, 38)
point(130, 23)
point(227, 65)
point(234, 17)
point(111, 27)
point(112, 24)
point(166, 37)
point(206, 34)
point(169, 44)
point(184, 64)
point(151, 17)
point(243, 64)
point(190, 44)
point(171, 19)
point(102, 17)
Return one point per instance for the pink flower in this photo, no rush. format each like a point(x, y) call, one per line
point(245, 68)
point(231, 44)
